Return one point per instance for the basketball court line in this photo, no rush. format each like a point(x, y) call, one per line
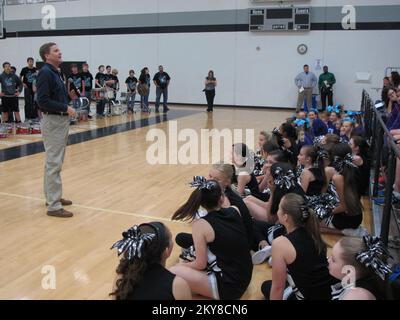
point(6, 194)
point(36, 147)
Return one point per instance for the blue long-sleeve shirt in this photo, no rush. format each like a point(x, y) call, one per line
point(52, 95)
point(306, 80)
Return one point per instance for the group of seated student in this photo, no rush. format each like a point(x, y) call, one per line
point(271, 205)
point(392, 115)
point(222, 267)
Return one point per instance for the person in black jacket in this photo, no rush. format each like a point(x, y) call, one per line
point(28, 75)
point(52, 99)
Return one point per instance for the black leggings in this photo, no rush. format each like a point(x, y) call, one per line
point(210, 95)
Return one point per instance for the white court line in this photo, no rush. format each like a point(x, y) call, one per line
point(96, 209)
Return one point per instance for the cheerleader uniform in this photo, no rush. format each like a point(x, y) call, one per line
point(156, 284)
point(308, 274)
point(230, 273)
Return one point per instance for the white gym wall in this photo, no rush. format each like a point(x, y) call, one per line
point(253, 69)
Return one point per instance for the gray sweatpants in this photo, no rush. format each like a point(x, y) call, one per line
point(55, 136)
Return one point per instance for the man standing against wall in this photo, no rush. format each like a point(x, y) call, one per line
point(87, 78)
point(27, 76)
point(52, 99)
point(325, 85)
point(161, 80)
point(11, 88)
point(100, 80)
point(305, 82)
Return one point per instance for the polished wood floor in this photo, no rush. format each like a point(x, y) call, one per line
point(113, 187)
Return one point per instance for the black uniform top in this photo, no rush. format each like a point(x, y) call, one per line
point(156, 284)
point(315, 187)
point(238, 202)
point(231, 249)
point(309, 271)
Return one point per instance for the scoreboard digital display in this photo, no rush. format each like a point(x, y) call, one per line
point(280, 19)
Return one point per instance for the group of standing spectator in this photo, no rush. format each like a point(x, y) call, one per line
point(306, 81)
point(11, 88)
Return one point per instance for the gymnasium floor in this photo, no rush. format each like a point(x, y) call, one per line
point(113, 187)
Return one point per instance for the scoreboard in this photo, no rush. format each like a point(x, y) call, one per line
point(280, 19)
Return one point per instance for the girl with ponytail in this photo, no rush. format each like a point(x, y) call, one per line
point(313, 178)
point(141, 273)
point(299, 257)
point(225, 271)
point(347, 216)
point(360, 149)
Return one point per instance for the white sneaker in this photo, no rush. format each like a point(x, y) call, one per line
point(270, 261)
point(286, 294)
point(261, 255)
point(358, 233)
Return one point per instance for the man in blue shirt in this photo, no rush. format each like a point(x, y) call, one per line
point(52, 99)
point(305, 82)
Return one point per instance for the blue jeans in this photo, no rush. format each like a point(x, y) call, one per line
point(88, 94)
point(131, 101)
point(160, 92)
point(144, 101)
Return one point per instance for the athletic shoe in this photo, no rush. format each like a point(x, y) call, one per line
point(261, 255)
point(188, 255)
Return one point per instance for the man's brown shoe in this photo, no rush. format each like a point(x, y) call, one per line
point(64, 202)
point(60, 213)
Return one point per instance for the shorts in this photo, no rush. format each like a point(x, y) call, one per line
point(344, 221)
point(9, 104)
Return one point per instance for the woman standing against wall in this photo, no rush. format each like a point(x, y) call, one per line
point(210, 83)
point(144, 88)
